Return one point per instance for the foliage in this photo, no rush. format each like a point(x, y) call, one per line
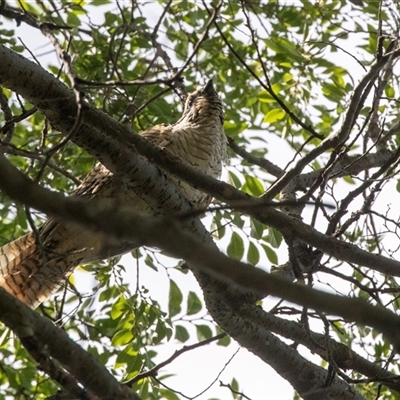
point(285, 71)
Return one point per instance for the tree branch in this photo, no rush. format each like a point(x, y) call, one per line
point(167, 234)
point(337, 139)
point(344, 357)
point(40, 336)
point(114, 145)
point(154, 371)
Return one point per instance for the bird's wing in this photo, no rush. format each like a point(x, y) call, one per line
point(158, 135)
point(97, 180)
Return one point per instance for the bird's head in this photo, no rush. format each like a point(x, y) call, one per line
point(204, 106)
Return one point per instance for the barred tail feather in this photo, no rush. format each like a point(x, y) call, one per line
point(24, 274)
point(16, 264)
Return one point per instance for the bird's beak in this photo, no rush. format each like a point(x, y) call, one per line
point(209, 89)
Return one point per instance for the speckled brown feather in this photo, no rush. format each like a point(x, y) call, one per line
point(33, 269)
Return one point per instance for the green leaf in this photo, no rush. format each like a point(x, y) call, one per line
point(193, 303)
point(134, 366)
point(256, 229)
point(349, 179)
point(389, 91)
point(238, 219)
point(161, 332)
point(122, 337)
point(265, 97)
point(168, 395)
point(73, 19)
point(287, 77)
point(283, 45)
point(273, 237)
point(128, 355)
point(107, 294)
point(234, 128)
point(225, 341)
point(274, 115)
point(217, 229)
point(270, 254)
point(119, 308)
point(234, 180)
point(253, 255)
point(333, 92)
point(175, 299)
point(235, 385)
point(203, 332)
point(150, 262)
point(99, 2)
point(181, 333)
point(235, 247)
point(253, 186)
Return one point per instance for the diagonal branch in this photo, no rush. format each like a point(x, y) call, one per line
point(344, 357)
point(337, 139)
point(115, 146)
point(154, 371)
point(267, 86)
point(167, 234)
point(39, 334)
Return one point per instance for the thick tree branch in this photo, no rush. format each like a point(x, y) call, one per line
point(114, 146)
point(344, 357)
point(166, 233)
point(272, 350)
point(85, 212)
point(103, 137)
point(99, 134)
point(39, 335)
point(337, 139)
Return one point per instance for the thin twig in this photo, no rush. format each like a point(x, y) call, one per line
point(270, 167)
point(154, 371)
point(337, 139)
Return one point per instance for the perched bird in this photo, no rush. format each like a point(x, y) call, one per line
point(33, 269)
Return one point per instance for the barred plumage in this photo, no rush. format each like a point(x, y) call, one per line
point(32, 270)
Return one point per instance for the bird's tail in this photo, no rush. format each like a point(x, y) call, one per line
point(26, 274)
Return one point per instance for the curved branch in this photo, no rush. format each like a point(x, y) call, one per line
point(114, 145)
point(307, 378)
point(154, 371)
point(344, 357)
point(167, 234)
point(40, 336)
point(339, 137)
point(100, 135)
point(270, 167)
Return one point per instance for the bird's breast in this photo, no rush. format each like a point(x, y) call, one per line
point(202, 147)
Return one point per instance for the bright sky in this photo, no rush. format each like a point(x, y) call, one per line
point(196, 370)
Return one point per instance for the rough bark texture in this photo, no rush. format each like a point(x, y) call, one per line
point(109, 142)
point(32, 268)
